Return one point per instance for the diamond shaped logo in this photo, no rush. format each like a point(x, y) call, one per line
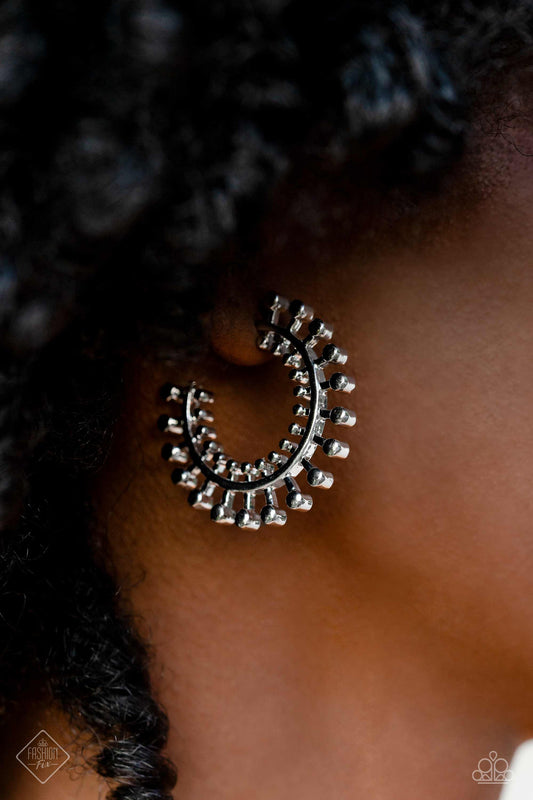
point(42, 756)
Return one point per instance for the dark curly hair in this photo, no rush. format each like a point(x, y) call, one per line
point(138, 138)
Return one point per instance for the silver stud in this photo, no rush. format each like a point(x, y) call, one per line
point(333, 447)
point(318, 330)
point(266, 340)
point(223, 512)
point(276, 304)
point(302, 391)
point(295, 498)
point(299, 375)
point(271, 514)
point(292, 360)
point(319, 478)
point(296, 429)
point(288, 446)
point(332, 354)
point(185, 477)
point(340, 383)
point(170, 392)
point(175, 454)
point(339, 416)
point(168, 424)
point(300, 312)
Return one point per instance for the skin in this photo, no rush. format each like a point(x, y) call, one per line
point(380, 645)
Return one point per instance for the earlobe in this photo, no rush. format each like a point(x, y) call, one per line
point(232, 330)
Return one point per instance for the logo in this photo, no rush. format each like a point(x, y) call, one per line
point(493, 769)
point(42, 756)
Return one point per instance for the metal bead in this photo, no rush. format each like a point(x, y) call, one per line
point(295, 498)
point(276, 304)
point(339, 416)
point(296, 429)
point(318, 330)
point(332, 354)
point(223, 515)
point(342, 416)
point(168, 424)
point(223, 512)
point(171, 392)
point(204, 432)
point(299, 313)
point(319, 478)
point(333, 447)
point(277, 458)
point(266, 340)
point(271, 515)
point(292, 360)
point(175, 454)
point(210, 449)
point(184, 477)
point(299, 502)
point(286, 444)
point(300, 411)
point(299, 375)
point(280, 345)
point(250, 520)
point(302, 391)
point(204, 396)
point(202, 415)
point(341, 383)
point(203, 497)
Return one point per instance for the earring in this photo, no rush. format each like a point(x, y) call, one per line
point(206, 469)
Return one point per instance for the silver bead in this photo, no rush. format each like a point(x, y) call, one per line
point(339, 416)
point(299, 375)
point(168, 424)
point(185, 477)
point(223, 512)
point(292, 360)
point(170, 392)
point(204, 396)
point(333, 447)
point(175, 454)
point(203, 497)
point(202, 415)
point(320, 478)
point(300, 312)
point(332, 354)
point(250, 520)
point(276, 304)
point(296, 429)
point(288, 446)
point(340, 383)
point(318, 330)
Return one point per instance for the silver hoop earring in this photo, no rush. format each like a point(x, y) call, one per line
point(206, 470)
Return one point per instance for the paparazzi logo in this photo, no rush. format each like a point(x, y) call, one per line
point(493, 769)
point(42, 756)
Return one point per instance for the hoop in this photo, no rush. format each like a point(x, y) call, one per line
point(202, 456)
